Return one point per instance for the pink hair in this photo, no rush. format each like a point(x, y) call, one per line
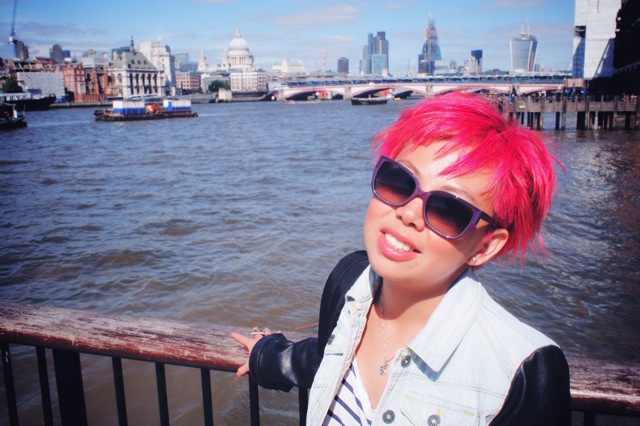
point(523, 181)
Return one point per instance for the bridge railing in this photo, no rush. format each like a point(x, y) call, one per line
point(597, 387)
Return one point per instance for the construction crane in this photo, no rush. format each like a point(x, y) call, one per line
point(12, 35)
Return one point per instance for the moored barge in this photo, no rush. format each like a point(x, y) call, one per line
point(124, 110)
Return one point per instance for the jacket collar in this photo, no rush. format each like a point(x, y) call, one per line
point(448, 324)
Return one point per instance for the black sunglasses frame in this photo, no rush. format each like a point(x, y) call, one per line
point(477, 214)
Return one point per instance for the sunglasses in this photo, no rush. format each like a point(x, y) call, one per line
point(444, 213)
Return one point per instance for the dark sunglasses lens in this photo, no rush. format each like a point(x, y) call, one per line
point(448, 215)
point(393, 184)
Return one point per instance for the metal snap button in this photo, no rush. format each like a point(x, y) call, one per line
point(405, 361)
point(388, 416)
point(433, 420)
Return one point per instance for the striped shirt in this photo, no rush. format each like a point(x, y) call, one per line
point(351, 404)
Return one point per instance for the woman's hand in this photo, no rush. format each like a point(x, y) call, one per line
point(249, 342)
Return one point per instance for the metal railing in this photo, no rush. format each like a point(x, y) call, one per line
point(597, 387)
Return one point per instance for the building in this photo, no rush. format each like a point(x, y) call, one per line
point(238, 62)
point(375, 55)
point(85, 84)
point(248, 81)
point(160, 57)
point(42, 83)
point(132, 74)
point(343, 65)
point(290, 67)
point(73, 77)
point(58, 55)
point(202, 62)
point(430, 50)
point(593, 39)
point(477, 55)
point(188, 81)
point(237, 56)
point(523, 52)
point(626, 56)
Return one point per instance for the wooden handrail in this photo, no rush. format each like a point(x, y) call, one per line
point(596, 386)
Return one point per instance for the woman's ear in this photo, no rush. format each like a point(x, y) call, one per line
point(491, 246)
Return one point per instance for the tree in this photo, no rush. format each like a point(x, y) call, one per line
point(11, 86)
point(217, 85)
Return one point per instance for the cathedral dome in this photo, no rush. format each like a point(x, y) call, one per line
point(238, 43)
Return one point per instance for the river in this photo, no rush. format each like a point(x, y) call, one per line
point(237, 217)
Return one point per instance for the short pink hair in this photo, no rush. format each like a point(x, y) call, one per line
point(523, 181)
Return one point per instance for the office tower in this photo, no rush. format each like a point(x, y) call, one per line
point(593, 38)
point(55, 53)
point(477, 55)
point(343, 65)
point(430, 50)
point(375, 55)
point(523, 52)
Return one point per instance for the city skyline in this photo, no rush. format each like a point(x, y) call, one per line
point(298, 30)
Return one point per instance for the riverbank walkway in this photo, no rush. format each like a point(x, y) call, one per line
point(597, 387)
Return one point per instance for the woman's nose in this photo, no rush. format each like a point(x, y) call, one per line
point(411, 214)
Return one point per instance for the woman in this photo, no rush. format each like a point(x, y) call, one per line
point(416, 338)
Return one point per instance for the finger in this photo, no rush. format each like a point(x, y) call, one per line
point(241, 339)
point(244, 369)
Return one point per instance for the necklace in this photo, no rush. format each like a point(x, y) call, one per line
point(385, 364)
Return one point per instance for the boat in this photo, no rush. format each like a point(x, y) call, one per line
point(369, 101)
point(10, 117)
point(26, 101)
point(127, 110)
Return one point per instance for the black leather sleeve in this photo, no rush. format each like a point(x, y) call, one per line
point(277, 363)
point(539, 392)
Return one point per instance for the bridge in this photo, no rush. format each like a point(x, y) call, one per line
point(327, 90)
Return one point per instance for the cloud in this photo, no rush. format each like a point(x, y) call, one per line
point(522, 4)
point(315, 17)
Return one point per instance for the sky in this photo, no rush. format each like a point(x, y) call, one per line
point(316, 32)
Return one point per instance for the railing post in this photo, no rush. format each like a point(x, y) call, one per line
point(118, 381)
point(44, 386)
point(73, 410)
point(207, 406)
point(254, 403)
point(163, 404)
point(8, 383)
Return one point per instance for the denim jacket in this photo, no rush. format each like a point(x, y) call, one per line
point(457, 370)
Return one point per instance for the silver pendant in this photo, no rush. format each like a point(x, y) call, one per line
point(383, 368)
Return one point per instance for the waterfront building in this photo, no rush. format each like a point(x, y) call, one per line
point(248, 81)
point(160, 56)
point(188, 81)
point(343, 65)
point(375, 55)
point(523, 52)
point(237, 56)
point(132, 74)
point(430, 50)
point(626, 56)
point(42, 83)
point(593, 39)
point(73, 77)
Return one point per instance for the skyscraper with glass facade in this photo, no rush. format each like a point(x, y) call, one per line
point(523, 52)
point(375, 55)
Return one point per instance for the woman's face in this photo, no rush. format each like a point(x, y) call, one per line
point(402, 249)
